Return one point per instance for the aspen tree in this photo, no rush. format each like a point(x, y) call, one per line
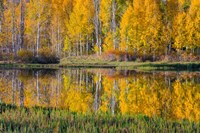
point(171, 11)
point(193, 27)
point(22, 23)
point(1, 14)
point(125, 28)
point(38, 12)
point(80, 25)
point(97, 25)
point(153, 25)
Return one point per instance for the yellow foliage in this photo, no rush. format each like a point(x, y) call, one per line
point(125, 28)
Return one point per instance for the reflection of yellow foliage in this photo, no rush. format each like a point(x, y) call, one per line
point(28, 98)
point(78, 101)
point(143, 98)
point(123, 94)
point(186, 101)
point(75, 98)
point(141, 94)
point(105, 98)
point(153, 97)
point(5, 91)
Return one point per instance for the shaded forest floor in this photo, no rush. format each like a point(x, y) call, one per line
point(37, 119)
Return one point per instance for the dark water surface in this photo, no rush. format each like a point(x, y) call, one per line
point(170, 95)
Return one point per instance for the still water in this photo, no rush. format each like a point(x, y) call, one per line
point(170, 95)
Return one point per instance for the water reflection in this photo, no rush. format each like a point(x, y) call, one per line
point(171, 95)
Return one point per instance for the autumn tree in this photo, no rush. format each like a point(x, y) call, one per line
point(152, 35)
point(144, 28)
point(61, 10)
point(1, 21)
point(79, 26)
point(97, 25)
point(125, 29)
point(110, 16)
point(179, 27)
point(193, 27)
point(38, 17)
point(141, 27)
point(186, 26)
point(22, 23)
point(169, 15)
point(1, 14)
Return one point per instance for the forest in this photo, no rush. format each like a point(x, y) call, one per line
point(49, 30)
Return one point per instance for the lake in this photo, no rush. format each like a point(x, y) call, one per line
point(171, 95)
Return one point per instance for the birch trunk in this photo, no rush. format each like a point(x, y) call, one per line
point(97, 25)
point(81, 48)
point(114, 24)
point(1, 15)
point(22, 27)
point(13, 29)
point(77, 48)
point(0, 24)
point(38, 38)
point(87, 46)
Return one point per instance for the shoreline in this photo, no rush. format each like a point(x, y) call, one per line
point(190, 66)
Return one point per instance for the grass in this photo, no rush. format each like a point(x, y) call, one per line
point(29, 66)
point(100, 63)
point(16, 119)
point(97, 62)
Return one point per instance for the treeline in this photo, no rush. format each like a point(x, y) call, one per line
point(140, 28)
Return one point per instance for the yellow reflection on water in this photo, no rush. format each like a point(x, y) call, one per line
point(173, 98)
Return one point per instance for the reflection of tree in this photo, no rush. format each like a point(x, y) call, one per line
point(186, 97)
point(109, 98)
point(37, 87)
point(107, 93)
point(21, 87)
point(98, 81)
point(75, 96)
point(8, 86)
point(168, 95)
point(155, 98)
point(21, 93)
point(124, 90)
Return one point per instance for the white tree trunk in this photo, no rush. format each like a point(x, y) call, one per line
point(114, 24)
point(1, 15)
point(97, 25)
point(13, 29)
point(22, 28)
point(38, 39)
point(0, 25)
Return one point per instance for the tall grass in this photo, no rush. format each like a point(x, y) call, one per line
point(14, 119)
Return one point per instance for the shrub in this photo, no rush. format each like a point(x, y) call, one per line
point(6, 56)
point(46, 57)
point(118, 56)
point(185, 57)
point(26, 56)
